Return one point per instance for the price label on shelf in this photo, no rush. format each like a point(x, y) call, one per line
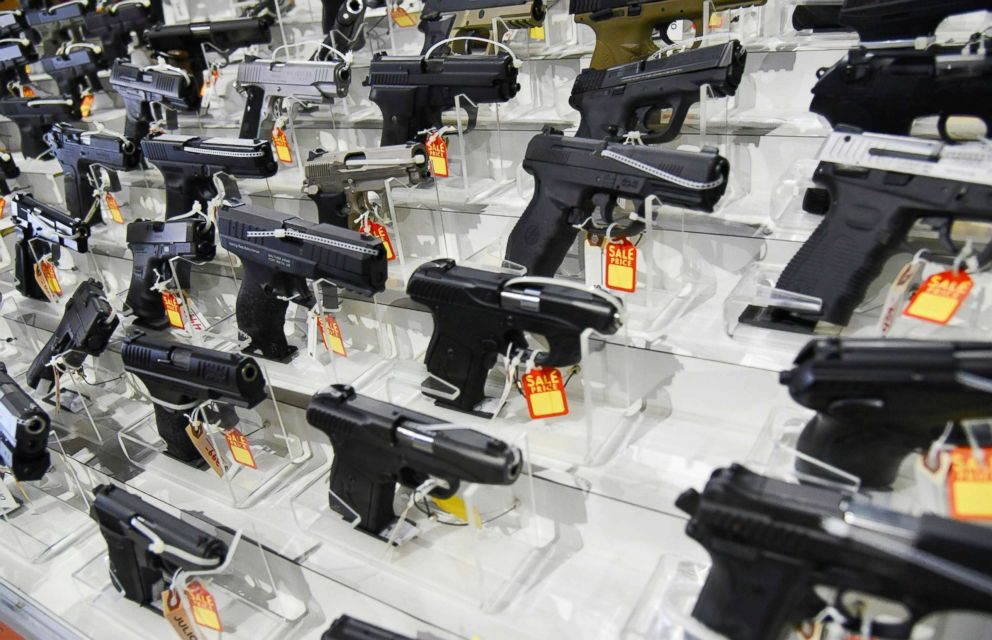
point(621, 265)
point(204, 606)
point(281, 144)
point(86, 105)
point(47, 279)
point(240, 448)
point(940, 297)
point(437, 151)
point(402, 18)
point(544, 390)
point(330, 334)
point(172, 609)
point(379, 231)
point(173, 310)
point(969, 485)
point(110, 206)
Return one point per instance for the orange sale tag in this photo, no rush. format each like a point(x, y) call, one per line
point(437, 150)
point(621, 265)
point(330, 334)
point(401, 18)
point(27, 92)
point(379, 231)
point(240, 448)
point(544, 390)
point(172, 310)
point(203, 605)
point(51, 278)
point(110, 203)
point(969, 485)
point(940, 297)
point(3, 206)
point(86, 105)
point(281, 144)
point(172, 609)
point(536, 33)
point(716, 21)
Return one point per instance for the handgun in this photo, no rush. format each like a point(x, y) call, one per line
point(185, 376)
point(189, 163)
point(877, 20)
point(340, 183)
point(479, 315)
point(38, 223)
point(74, 71)
point(341, 21)
point(877, 401)
point(377, 445)
point(14, 24)
point(878, 187)
point(24, 429)
point(55, 25)
point(34, 117)
point(153, 244)
point(267, 84)
point(772, 543)
point(15, 54)
point(885, 90)
point(141, 87)
point(184, 44)
point(630, 97)
point(442, 19)
point(8, 171)
point(147, 546)
point(114, 25)
point(280, 253)
point(577, 181)
point(84, 330)
point(79, 152)
point(412, 93)
point(624, 28)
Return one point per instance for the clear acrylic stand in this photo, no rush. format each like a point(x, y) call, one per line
point(664, 609)
point(53, 513)
point(483, 555)
point(278, 455)
point(257, 595)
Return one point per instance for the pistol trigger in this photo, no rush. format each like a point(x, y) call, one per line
point(602, 213)
point(473, 115)
point(943, 228)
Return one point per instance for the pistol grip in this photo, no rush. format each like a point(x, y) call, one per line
point(620, 41)
point(360, 492)
point(435, 30)
point(542, 236)
point(32, 141)
point(138, 120)
point(24, 263)
point(145, 303)
point(40, 369)
point(261, 314)
point(461, 359)
point(680, 105)
point(135, 579)
point(869, 449)
point(402, 117)
point(252, 117)
point(79, 193)
point(181, 193)
point(332, 208)
point(172, 429)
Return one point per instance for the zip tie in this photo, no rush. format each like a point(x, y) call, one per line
point(934, 452)
point(345, 57)
point(658, 173)
point(165, 67)
point(517, 62)
point(299, 235)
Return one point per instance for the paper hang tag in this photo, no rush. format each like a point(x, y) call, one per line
point(401, 18)
point(86, 105)
point(27, 92)
point(173, 310)
point(3, 206)
point(456, 507)
point(210, 77)
point(330, 335)
point(191, 313)
point(940, 297)
point(379, 231)
point(621, 265)
point(281, 144)
point(47, 279)
point(172, 610)
point(7, 501)
point(536, 33)
point(204, 606)
point(198, 435)
point(109, 204)
point(437, 151)
point(544, 390)
point(969, 485)
point(240, 447)
point(897, 291)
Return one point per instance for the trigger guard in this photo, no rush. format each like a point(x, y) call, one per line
point(473, 116)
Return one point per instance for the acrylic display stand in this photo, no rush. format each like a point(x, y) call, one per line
point(665, 607)
point(485, 557)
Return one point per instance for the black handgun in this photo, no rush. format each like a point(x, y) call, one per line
point(479, 314)
point(15, 55)
point(79, 151)
point(8, 171)
point(34, 117)
point(772, 543)
point(412, 93)
point(141, 87)
point(340, 183)
point(42, 228)
point(73, 72)
point(341, 21)
point(818, 17)
point(348, 628)
point(377, 444)
point(878, 187)
point(279, 254)
point(184, 44)
point(188, 164)
point(876, 20)
point(184, 375)
point(84, 330)
point(630, 97)
point(24, 429)
point(885, 90)
point(14, 24)
point(153, 244)
point(55, 24)
point(147, 546)
point(116, 22)
point(877, 401)
point(441, 19)
point(577, 181)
